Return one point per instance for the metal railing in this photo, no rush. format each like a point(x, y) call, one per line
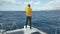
point(14, 24)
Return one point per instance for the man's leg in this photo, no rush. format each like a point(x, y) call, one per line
point(30, 23)
point(26, 21)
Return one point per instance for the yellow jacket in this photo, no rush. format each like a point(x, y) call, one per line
point(28, 11)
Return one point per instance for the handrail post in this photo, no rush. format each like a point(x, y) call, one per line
point(2, 31)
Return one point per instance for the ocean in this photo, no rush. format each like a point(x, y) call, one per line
point(47, 21)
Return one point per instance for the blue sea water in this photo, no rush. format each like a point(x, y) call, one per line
point(47, 21)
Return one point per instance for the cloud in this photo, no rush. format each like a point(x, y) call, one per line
point(25, 2)
point(30, 2)
point(14, 2)
point(52, 5)
point(37, 3)
point(6, 2)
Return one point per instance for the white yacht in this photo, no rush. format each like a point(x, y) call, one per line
point(24, 31)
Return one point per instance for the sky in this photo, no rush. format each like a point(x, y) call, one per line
point(36, 5)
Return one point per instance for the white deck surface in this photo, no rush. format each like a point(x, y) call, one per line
point(29, 31)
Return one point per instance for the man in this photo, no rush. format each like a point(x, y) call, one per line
point(28, 15)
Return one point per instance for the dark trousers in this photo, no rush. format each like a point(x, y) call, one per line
point(28, 21)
